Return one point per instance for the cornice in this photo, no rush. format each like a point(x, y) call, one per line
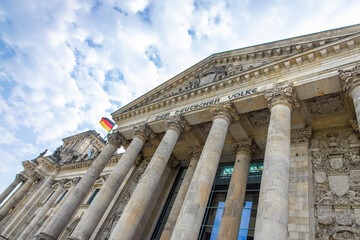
point(91, 133)
point(319, 50)
point(277, 48)
point(86, 164)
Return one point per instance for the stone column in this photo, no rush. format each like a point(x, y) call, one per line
point(272, 215)
point(192, 212)
point(18, 179)
point(73, 181)
point(60, 220)
point(14, 200)
point(175, 210)
point(39, 216)
point(136, 207)
point(351, 87)
point(97, 208)
point(231, 218)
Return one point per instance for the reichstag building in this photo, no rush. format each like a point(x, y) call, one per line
point(257, 143)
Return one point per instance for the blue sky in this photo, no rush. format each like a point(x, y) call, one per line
point(64, 64)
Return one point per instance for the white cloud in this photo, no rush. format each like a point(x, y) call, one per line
point(53, 81)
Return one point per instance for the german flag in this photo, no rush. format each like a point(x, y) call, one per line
point(107, 123)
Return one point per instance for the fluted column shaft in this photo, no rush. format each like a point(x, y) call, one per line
point(272, 214)
point(97, 208)
point(192, 212)
point(11, 187)
point(135, 209)
point(231, 218)
point(60, 220)
point(39, 216)
point(175, 210)
point(16, 198)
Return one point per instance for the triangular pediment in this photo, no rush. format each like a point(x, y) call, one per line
point(221, 66)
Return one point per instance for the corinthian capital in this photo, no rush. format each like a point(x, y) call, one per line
point(351, 78)
point(177, 123)
point(282, 95)
point(246, 145)
point(225, 111)
point(142, 131)
point(117, 139)
point(19, 178)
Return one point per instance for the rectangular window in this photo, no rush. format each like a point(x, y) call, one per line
point(214, 210)
point(168, 205)
point(93, 196)
point(62, 196)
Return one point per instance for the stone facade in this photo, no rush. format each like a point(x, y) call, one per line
point(292, 106)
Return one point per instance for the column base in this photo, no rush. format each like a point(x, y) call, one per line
point(44, 236)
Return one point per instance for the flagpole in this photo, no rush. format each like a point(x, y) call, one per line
point(108, 133)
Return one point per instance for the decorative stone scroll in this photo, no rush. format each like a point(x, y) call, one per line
point(177, 123)
point(174, 163)
point(246, 145)
point(224, 110)
point(354, 124)
point(117, 139)
point(259, 118)
point(351, 78)
point(326, 104)
point(143, 132)
point(301, 135)
point(213, 74)
point(282, 94)
point(336, 184)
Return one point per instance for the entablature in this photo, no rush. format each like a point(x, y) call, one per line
point(297, 68)
point(245, 64)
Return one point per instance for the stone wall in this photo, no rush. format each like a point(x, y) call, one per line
point(300, 202)
point(336, 166)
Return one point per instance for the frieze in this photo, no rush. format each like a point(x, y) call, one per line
point(300, 135)
point(327, 104)
point(209, 103)
point(259, 118)
point(336, 184)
